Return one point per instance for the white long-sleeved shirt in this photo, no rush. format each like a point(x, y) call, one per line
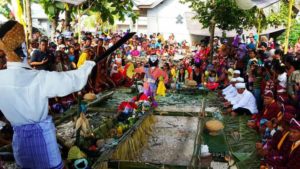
point(231, 94)
point(231, 91)
point(227, 89)
point(234, 100)
point(247, 101)
point(24, 92)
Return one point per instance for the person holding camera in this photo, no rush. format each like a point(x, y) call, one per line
point(41, 58)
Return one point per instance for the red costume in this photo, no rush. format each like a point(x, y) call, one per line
point(127, 105)
point(272, 111)
point(141, 97)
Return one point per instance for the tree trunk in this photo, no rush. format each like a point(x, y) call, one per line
point(67, 17)
point(54, 23)
point(212, 34)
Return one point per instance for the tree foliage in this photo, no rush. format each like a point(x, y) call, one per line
point(294, 35)
point(52, 8)
point(228, 16)
point(108, 9)
point(279, 18)
point(225, 13)
point(4, 9)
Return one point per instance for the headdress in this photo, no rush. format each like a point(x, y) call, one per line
point(12, 40)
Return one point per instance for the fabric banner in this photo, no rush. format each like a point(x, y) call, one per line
point(17, 11)
point(248, 4)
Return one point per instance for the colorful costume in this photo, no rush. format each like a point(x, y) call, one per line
point(152, 76)
point(161, 88)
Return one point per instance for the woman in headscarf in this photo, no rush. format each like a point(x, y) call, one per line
point(116, 75)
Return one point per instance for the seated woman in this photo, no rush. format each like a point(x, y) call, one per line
point(212, 80)
point(197, 75)
point(181, 77)
point(223, 80)
point(116, 75)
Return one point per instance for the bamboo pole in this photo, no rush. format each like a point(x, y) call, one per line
point(288, 28)
point(25, 24)
point(28, 19)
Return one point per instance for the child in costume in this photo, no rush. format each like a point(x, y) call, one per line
point(211, 80)
point(24, 100)
point(152, 74)
point(161, 88)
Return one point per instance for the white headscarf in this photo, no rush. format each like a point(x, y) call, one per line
point(113, 69)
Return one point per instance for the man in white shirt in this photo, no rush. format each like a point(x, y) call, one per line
point(236, 74)
point(246, 103)
point(233, 92)
point(24, 100)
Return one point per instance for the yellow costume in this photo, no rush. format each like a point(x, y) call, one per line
point(82, 59)
point(161, 89)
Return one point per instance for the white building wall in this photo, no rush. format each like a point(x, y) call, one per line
point(162, 19)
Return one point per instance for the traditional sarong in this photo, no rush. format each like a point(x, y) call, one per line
point(35, 146)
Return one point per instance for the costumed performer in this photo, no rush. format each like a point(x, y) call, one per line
point(24, 100)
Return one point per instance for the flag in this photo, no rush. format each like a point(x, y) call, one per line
point(18, 12)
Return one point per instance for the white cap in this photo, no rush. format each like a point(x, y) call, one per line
point(237, 72)
point(240, 85)
point(233, 80)
point(240, 79)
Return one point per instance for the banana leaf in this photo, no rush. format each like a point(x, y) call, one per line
point(241, 156)
point(241, 141)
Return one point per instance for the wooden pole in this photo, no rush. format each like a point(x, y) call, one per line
point(212, 34)
point(288, 27)
point(28, 19)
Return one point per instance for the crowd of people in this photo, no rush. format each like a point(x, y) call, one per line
point(251, 73)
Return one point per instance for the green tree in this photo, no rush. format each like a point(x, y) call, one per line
point(278, 18)
point(294, 35)
point(108, 9)
point(52, 10)
point(225, 13)
point(4, 9)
